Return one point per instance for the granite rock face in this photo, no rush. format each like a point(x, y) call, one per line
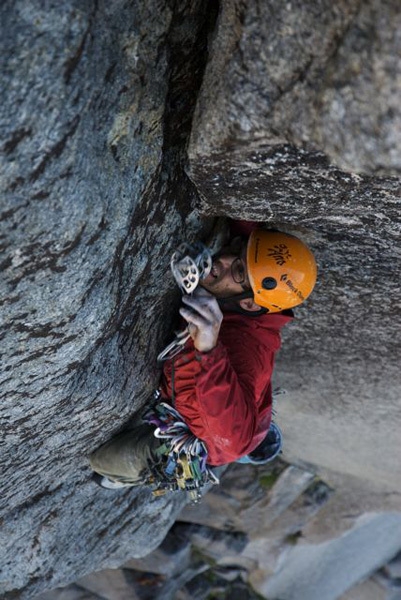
point(301, 90)
point(289, 114)
point(248, 542)
point(340, 359)
point(94, 120)
point(325, 73)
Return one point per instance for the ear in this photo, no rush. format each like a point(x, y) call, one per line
point(249, 305)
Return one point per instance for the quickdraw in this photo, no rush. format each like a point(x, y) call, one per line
point(184, 455)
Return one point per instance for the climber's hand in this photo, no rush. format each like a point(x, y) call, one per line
point(204, 317)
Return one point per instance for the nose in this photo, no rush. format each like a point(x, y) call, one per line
point(226, 262)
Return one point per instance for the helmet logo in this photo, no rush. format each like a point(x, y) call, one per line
point(279, 253)
point(293, 288)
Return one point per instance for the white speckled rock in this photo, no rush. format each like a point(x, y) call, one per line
point(94, 200)
point(297, 115)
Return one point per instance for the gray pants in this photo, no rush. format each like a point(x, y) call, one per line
point(126, 457)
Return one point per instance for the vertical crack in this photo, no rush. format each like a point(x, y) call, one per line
point(187, 42)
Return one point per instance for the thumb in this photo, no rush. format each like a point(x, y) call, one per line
point(192, 329)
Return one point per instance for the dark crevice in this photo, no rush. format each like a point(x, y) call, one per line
point(187, 51)
point(17, 137)
point(187, 43)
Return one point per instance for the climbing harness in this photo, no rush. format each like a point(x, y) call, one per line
point(183, 455)
point(190, 263)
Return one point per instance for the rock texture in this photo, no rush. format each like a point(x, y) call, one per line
point(125, 127)
point(94, 120)
point(323, 72)
point(346, 329)
point(249, 542)
point(226, 546)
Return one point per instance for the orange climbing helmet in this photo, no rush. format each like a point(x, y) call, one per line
point(281, 269)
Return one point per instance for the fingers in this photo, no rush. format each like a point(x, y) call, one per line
point(204, 305)
point(203, 328)
point(199, 294)
point(193, 318)
point(203, 315)
point(200, 291)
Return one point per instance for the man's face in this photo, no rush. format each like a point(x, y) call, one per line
point(228, 276)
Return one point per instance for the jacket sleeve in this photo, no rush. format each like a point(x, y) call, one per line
point(222, 394)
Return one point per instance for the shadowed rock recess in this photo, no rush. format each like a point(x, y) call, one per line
point(126, 127)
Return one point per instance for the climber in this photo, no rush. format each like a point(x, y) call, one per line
point(220, 382)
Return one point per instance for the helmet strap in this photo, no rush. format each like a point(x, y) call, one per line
point(231, 304)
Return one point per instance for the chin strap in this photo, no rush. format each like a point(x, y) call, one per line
point(242, 296)
point(231, 304)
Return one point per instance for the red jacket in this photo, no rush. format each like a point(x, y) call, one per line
point(225, 396)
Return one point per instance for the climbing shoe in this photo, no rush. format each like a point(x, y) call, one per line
point(267, 450)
